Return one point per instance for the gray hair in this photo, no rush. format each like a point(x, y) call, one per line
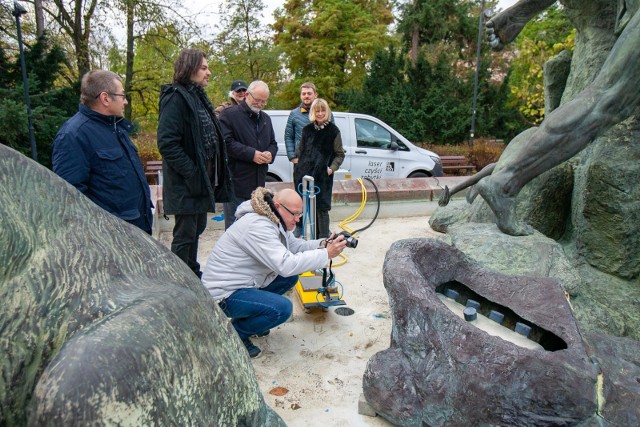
point(94, 83)
point(256, 84)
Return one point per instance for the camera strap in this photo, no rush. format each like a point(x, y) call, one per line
point(326, 281)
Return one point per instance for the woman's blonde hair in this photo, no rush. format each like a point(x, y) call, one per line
point(318, 105)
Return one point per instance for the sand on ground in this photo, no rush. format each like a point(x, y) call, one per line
point(317, 358)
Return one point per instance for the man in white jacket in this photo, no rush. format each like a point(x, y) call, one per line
point(258, 259)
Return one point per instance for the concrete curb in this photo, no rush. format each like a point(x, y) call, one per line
point(399, 197)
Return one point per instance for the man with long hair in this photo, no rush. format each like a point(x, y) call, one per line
point(195, 170)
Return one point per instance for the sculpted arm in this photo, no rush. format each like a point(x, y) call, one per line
point(610, 98)
point(506, 25)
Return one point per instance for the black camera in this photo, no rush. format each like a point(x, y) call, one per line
point(352, 242)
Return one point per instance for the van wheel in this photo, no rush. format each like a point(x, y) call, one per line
point(271, 178)
point(419, 175)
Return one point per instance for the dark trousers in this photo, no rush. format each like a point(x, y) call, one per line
point(322, 224)
point(186, 233)
point(230, 211)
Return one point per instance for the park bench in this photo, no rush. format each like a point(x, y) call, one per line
point(152, 170)
point(456, 163)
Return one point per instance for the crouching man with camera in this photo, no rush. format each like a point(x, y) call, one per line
point(258, 259)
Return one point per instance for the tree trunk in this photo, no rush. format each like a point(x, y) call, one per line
point(83, 31)
point(39, 17)
point(415, 44)
point(78, 27)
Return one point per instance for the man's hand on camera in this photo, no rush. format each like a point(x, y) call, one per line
point(335, 245)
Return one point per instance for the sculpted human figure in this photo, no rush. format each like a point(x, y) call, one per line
point(610, 98)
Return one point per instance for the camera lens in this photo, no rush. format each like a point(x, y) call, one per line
point(352, 242)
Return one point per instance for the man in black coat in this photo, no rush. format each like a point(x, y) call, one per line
point(195, 169)
point(251, 143)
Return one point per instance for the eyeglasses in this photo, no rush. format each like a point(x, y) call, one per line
point(241, 91)
point(298, 215)
point(258, 101)
point(123, 95)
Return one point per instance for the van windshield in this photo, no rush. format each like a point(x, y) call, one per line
point(370, 134)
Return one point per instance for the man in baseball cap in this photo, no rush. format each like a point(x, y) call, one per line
point(238, 86)
point(236, 95)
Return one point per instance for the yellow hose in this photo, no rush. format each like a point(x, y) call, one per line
point(339, 263)
point(343, 224)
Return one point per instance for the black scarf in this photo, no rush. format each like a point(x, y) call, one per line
point(206, 117)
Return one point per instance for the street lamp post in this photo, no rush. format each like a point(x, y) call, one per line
point(475, 81)
point(18, 11)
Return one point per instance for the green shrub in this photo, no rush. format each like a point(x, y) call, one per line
point(51, 106)
point(147, 147)
point(485, 151)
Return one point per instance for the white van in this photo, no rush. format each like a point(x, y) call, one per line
point(373, 150)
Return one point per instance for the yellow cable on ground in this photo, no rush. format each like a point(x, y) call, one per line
point(338, 264)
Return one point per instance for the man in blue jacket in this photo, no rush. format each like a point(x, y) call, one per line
point(93, 152)
point(299, 118)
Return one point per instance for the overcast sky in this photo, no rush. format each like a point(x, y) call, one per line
point(207, 10)
point(207, 14)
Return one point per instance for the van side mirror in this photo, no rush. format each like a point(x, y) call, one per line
point(394, 146)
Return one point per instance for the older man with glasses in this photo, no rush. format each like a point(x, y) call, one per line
point(251, 145)
point(258, 259)
point(93, 152)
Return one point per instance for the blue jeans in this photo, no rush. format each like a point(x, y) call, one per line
point(255, 311)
